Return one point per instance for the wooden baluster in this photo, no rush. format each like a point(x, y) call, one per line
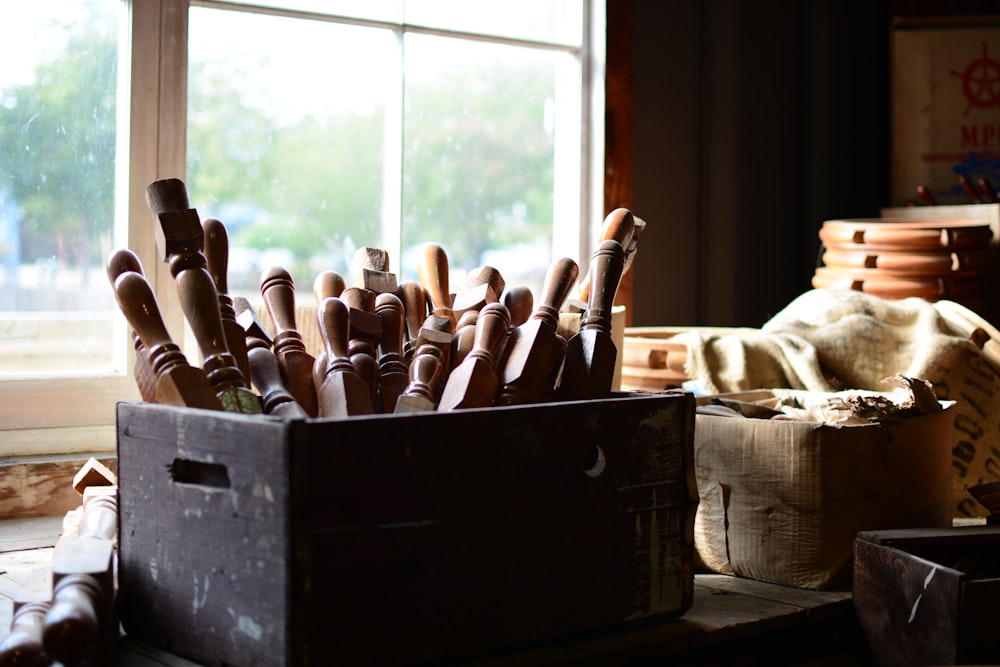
point(520, 304)
point(342, 392)
point(177, 382)
point(81, 626)
point(364, 337)
point(534, 351)
point(414, 300)
point(589, 366)
point(393, 370)
point(180, 237)
point(619, 225)
point(327, 284)
point(278, 291)
point(121, 261)
point(265, 372)
point(23, 646)
point(473, 383)
point(464, 339)
point(432, 269)
point(425, 375)
point(217, 262)
point(439, 332)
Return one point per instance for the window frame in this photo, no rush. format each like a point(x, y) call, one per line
point(69, 415)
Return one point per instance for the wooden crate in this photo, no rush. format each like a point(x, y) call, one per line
point(401, 538)
point(929, 596)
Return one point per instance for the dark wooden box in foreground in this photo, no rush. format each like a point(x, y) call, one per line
point(388, 539)
point(930, 596)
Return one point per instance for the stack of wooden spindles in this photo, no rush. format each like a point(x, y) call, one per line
point(384, 347)
point(65, 612)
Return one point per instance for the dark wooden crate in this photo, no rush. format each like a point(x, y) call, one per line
point(390, 539)
point(929, 596)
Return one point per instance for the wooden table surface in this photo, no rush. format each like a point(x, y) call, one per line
point(732, 621)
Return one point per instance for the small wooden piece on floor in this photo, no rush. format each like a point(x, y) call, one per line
point(81, 626)
point(93, 473)
point(473, 383)
point(23, 646)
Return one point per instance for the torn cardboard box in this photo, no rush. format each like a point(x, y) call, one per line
point(782, 498)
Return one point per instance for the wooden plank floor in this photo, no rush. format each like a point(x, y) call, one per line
point(732, 621)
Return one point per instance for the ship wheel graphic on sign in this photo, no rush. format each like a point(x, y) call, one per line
point(981, 82)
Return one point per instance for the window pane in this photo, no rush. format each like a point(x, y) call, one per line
point(58, 87)
point(371, 10)
point(559, 21)
point(285, 144)
point(479, 156)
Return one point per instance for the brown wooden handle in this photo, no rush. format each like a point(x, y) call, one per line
point(606, 266)
point(414, 299)
point(138, 303)
point(619, 225)
point(217, 252)
point(121, 261)
point(278, 291)
point(390, 309)
point(265, 373)
point(334, 320)
point(328, 284)
point(520, 304)
point(425, 372)
point(200, 303)
point(432, 269)
point(491, 329)
point(167, 194)
point(559, 281)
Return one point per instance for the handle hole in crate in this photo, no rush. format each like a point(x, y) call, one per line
point(596, 463)
point(185, 471)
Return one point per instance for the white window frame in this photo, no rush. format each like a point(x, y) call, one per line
point(76, 414)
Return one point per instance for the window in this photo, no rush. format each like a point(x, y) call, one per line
point(310, 129)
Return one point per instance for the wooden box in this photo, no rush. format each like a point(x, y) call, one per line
point(929, 596)
point(249, 540)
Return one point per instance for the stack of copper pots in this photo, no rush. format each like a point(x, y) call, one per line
point(897, 258)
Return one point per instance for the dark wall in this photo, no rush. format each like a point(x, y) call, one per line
point(754, 123)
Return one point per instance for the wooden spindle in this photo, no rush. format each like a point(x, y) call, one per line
point(176, 381)
point(589, 366)
point(121, 261)
point(217, 263)
point(534, 351)
point(342, 392)
point(278, 291)
point(473, 383)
